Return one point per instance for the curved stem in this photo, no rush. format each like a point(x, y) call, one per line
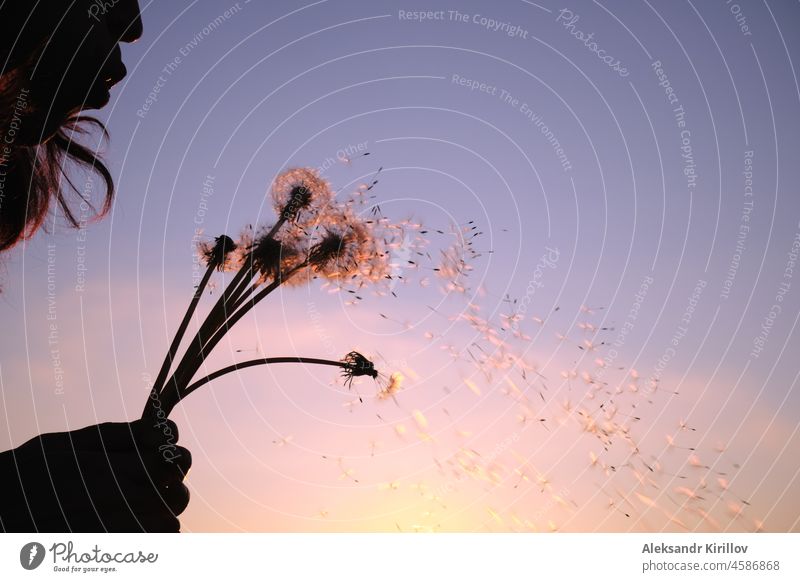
point(244, 296)
point(260, 362)
point(188, 368)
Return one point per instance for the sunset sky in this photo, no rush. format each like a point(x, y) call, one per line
point(630, 166)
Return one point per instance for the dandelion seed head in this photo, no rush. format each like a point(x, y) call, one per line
point(300, 191)
point(270, 257)
point(357, 365)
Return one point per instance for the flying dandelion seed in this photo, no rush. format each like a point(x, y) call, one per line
point(420, 419)
point(346, 246)
point(646, 500)
point(688, 493)
point(392, 386)
point(736, 510)
point(494, 515)
point(695, 462)
point(283, 441)
point(314, 237)
point(472, 386)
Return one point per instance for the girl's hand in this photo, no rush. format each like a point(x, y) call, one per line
point(115, 477)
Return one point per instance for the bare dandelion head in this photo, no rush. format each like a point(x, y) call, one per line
point(218, 254)
point(300, 189)
point(357, 365)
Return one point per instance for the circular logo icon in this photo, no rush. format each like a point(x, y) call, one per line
point(31, 555)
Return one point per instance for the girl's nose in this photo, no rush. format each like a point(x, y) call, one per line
point(124, 20)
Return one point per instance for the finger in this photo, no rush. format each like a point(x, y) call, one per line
point(109, 436)
point(176, 497)
point(168, 466)
point(120, 522)
point(154, 432)
point(156, 523)
point(100, 470)
point(126, 522)
point(63, 483)
point(79, 506)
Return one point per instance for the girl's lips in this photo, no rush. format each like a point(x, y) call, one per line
point(114, 69)
point(116, 74)
point(99, 95)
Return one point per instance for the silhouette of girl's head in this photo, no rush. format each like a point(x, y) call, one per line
point(57, 59)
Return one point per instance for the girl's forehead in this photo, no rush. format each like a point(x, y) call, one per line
point(25, 25)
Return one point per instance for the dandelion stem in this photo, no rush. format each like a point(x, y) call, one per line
point(244, 296)
point(242, 307)
point(189, 365)
point(232, 296)
point(259, 362)
point(176, 341)
point(274, 230)
point(233, 292)
point(197, 342)
point(241, 297)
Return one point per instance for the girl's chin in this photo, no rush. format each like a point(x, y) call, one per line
point(98, 97)
point(35, 128)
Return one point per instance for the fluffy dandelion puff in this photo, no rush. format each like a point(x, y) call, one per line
point(337, 250)
point(270, 257)
point(348, 250)
point(300, 189)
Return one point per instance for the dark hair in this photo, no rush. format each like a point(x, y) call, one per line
point(31, 174)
